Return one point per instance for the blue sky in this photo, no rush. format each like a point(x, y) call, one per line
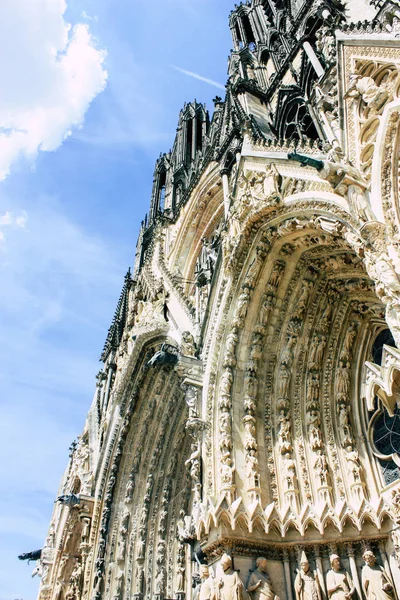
point(84, 113)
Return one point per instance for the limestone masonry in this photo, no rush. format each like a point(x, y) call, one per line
point(244, 436)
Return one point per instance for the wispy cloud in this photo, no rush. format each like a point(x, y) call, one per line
point(199, 77)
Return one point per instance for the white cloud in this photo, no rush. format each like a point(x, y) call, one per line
point(6, 218)
point(50, 73)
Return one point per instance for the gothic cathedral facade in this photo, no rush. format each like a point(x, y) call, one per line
point(244, 436)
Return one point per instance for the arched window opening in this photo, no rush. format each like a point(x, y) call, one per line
point(199, 134)
point(238, 35)
point(189, 139)
point(250, 39)
point(161, 191)
point(384, 428)
point(297, 123)
point(264, 57)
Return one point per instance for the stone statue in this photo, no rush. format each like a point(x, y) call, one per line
point(229, 585)
point(376, 581)
point(285, 432)
point(338, 582)
point(289, 472)
point(353, 464)
point(306, 584)
point(188, 346)
point(276, 274)
point(317, 352)
point(366, 89)
point(321, 469)
point(259, 585)
point(284, 380)
point(207, 588)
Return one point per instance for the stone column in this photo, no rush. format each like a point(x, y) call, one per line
point(353, 569)
point(384, 558)
point(288, 579)
point(320, 570)
point(319, 69)
point(225, 187)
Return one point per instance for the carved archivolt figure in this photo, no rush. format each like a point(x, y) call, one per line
point(353, 464)
point(230, 586)
point(260, 585)
point(306, 583)
point(285, 431)
point(284, 380)
point(207, 588)
point(338, 582)
point(376, 582)
point(317, 352)
point(289, 472)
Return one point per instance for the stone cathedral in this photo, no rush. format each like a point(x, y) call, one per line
point(244, 437)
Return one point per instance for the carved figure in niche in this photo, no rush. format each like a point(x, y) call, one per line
point(344, 424)
point(252, 468)
point(50, 540)
point(359, 203)
point(85, 531)
point(376, 582)
point(207, 588)
point(289, 472)
point(180, 579)
point(366, 89)
point(130, 488)
point(251, 385)
point(272, 182)
point(149, 489)
point(349, 340)
point(321, 469)
point(325, 319)
point(229, 585)
point(260, 585)
point(317, 352)
point(284, 380)
point(267, 305)
point(285, 432)
point(193, 462)
point(226, 383)
point(338, 582)
point(314, 424)
point(302, 300)
point(306, 584)
point(312, 389)
point(188, 346)
point(343, 379)
point(353, 464)
point(230, 345)
point(276, 275)
point(241, 308)
point(287, 354)
point(226, 471)
point(76, 576)
point(191, 399)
